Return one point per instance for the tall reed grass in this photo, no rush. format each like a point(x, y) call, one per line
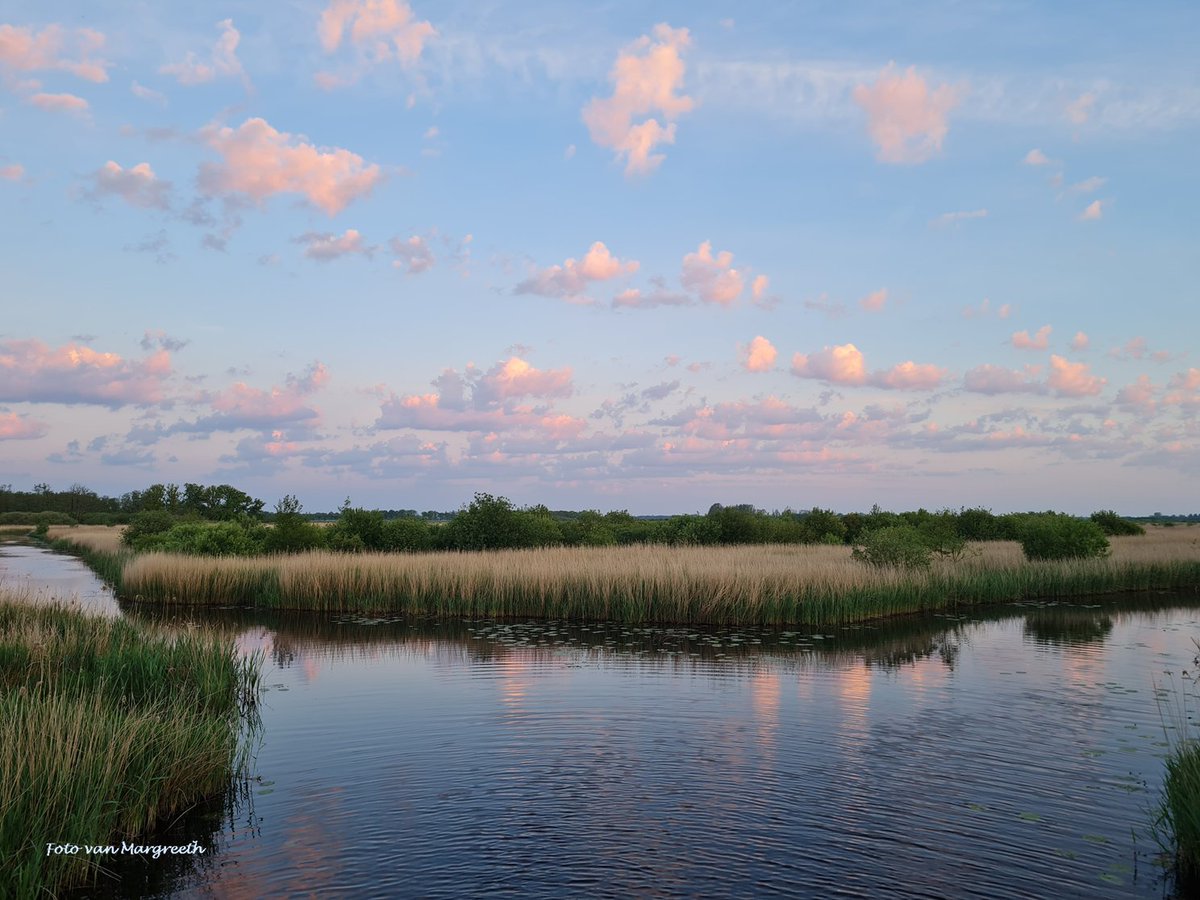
point(754, 584)
point(106, 726)
point(1179, 814)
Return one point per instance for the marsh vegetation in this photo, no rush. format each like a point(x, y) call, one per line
point(106, 727)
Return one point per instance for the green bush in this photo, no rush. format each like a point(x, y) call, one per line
point(1113, 525)
point(145, 527)
point(292, 533)
point(1059, 536)
point(407, 534)
point(230, 538)
point(356, 530)
point(902, 546)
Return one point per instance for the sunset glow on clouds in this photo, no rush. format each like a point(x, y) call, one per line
point(641, 260)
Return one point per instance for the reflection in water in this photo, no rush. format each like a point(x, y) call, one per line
point(1067, 625)
point(1008, 754)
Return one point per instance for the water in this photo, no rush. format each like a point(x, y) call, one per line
point(1014, 754)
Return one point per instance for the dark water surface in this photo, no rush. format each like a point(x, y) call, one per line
point(1018, 753)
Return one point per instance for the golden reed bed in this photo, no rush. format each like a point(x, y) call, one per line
point(760, 583)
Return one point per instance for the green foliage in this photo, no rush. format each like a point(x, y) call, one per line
point(18, 517)
point(687, 531)
point(242, 537)
point(487, 523)
point(1113, 525)
point(941, 535)
point(978, 524)
point(1059, 536)
point(822, 526)
point(407, 534)
point(41, 530)
point(742, 524)
point(356, 530)
point(145, 526)
point(901, 546)
point(292, 533)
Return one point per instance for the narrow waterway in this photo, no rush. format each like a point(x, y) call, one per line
point(1017, 753)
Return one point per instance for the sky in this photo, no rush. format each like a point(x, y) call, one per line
point(642, 256)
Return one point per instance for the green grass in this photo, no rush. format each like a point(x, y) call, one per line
point(106, 727)
point(1179, 813)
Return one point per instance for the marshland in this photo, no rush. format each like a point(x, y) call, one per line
point(1021, 745)
point(794, 694)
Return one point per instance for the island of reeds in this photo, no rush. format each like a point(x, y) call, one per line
point(106, 728)
point(731, 565)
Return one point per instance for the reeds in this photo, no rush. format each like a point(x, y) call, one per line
point(755, 584)
point(105, 726)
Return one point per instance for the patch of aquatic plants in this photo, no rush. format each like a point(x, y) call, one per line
point(105, 728)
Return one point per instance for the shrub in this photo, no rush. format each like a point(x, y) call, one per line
point(145, 526)
point(407, 534)
point(1113, 525)
point(901, 546)
point(356, 529)
point(488, 523)
point(292, 533)
point(232, 538)
point(1059, 536)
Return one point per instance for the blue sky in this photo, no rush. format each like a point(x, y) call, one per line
point(619, 256)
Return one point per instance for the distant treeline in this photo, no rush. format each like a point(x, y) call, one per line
point(81, 505)
point(492, 523)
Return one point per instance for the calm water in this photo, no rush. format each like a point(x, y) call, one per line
point(1015, 754)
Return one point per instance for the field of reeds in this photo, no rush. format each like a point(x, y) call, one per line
point(106, 727)
point(753, 584)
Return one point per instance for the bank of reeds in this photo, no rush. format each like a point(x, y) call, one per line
point(756, 584)
point(105, 727)
point(1179, 814)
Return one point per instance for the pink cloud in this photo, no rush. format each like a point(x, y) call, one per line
point(1040, 341)
point(24, 49)
point(224, 61)
point(1184, 389)
point(906, 119)
point(1080, 341)
point(759, 355)
point(33, 372)
point(12, 172)
point(989, 379)
point(1036, 157)
point(412, 254)
point(572, 278)
point(242, 406)
point(646, 78)
point(327, 247)
point(517, 378)
point(426, 412)
point(380, 29)
point(137, 186)
point(1092, 211)
point(713, 279)
point(1080, 109)
point(874, 301)
point(258, 162)
point(59, 102)
point(19, 428)
point(910, 376)
point(845, 364)
point(1070, 379)
point(1140, 395)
